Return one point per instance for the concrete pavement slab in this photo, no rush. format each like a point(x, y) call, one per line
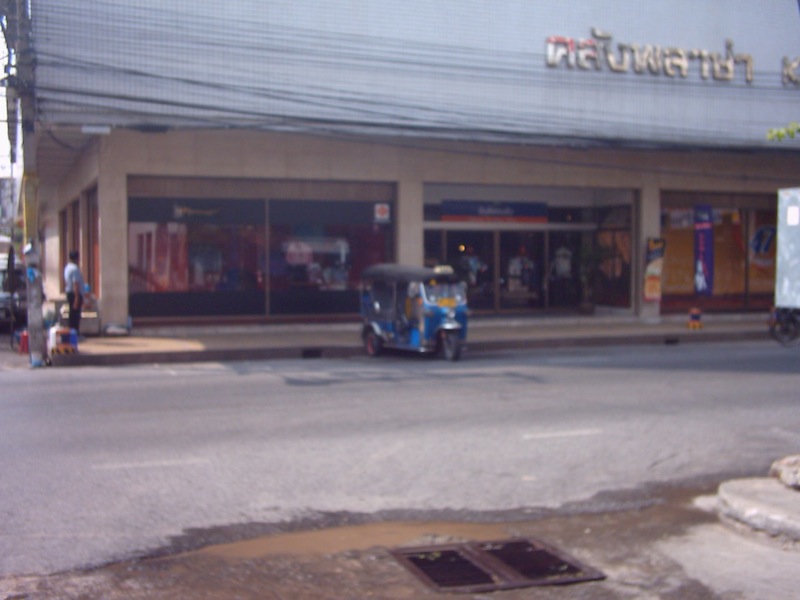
point(763, 504)
point(314, 340)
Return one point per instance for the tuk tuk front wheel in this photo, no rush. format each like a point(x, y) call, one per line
point(451, 345)
point(373, 344)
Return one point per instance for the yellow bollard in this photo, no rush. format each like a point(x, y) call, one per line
point(695, 318)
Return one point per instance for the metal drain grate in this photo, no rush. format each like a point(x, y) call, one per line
point(489, 566)
point(450, 569)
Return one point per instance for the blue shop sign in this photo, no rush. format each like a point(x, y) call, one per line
point(506, 212)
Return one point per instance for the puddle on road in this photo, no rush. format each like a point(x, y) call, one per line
point(391, 534)
point(357, 537)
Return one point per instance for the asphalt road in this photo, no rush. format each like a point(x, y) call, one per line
point(100, 464)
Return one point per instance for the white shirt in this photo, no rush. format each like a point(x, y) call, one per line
point(73, 279)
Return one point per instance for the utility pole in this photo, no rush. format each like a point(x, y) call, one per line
point(24, 86)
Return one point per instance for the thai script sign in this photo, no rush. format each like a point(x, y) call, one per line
point(791, 71)
point(196, 210)
point(599, 52)
point(187, 212)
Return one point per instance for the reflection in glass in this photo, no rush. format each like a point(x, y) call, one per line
point(522, 265)
point(471, 255)
point(318, 250)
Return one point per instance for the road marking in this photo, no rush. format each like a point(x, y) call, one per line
point(152, 464)
point(785, 433)
point(500, 371)
point(547, 435)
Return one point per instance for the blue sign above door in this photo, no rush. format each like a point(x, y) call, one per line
point(488, 212)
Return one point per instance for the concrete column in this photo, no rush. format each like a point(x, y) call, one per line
point(112, 204)
point(649, 227)
point(410, 217)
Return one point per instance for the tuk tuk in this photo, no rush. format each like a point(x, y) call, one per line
point(413, 308)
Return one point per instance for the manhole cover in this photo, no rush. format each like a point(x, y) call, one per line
point(488, 566)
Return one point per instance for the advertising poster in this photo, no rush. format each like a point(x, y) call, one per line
point(703, 250)
point(654, 265)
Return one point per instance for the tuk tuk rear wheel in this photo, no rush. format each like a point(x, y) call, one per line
point(451, 345)
point(373, 344)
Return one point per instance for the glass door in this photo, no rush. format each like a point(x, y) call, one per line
point(522, 265)
point(612, 258)
point(563, 275)
point(521, 270)
point(471, 254)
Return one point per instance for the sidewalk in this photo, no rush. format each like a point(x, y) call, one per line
point(254, 342)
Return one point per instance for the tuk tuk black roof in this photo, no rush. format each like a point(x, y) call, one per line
point(406, 273)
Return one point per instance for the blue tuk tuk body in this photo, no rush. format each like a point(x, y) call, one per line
point(413, 308)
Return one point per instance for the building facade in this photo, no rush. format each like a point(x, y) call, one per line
point(539, 150)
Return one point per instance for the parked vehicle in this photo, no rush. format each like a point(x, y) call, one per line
point(413, 308)
point(13, 293)
point(784, 325)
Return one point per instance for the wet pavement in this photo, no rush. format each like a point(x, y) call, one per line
point(659, 543)
point(666, 542)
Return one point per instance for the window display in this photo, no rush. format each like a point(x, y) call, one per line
point(471, 254)
point(196, 257)
point(522, 257)
point(743, 259)
point(318, 250)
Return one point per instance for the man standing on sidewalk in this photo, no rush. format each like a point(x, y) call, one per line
point(73, 285)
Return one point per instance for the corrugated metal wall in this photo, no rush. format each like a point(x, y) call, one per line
point(467, 69)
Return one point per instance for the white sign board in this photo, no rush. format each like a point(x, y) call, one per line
point(787, 272)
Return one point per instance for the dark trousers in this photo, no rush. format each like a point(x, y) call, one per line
point(74, 311)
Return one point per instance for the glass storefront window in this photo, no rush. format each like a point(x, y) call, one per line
point(612, 278)
point(196, 258)
point(471, 254)
point(522, 261)
point(434, 243)
point(744, 259)
point(729, 254)
point(532, 255)
point(607, 269)
point(318, 250)
point(677, 229)
point(564, 285)
point(571, 215)
point(761, 248)
point(532, 270)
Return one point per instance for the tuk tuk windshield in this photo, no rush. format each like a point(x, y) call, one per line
point(436, 292)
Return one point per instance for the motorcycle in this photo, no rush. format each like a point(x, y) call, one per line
point(784, 325)
point(413, 308)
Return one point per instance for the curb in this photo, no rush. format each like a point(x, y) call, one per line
point(763, 504)
point(345, 351)
point(189, 356)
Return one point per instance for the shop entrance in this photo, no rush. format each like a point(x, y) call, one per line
point(517, 270)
